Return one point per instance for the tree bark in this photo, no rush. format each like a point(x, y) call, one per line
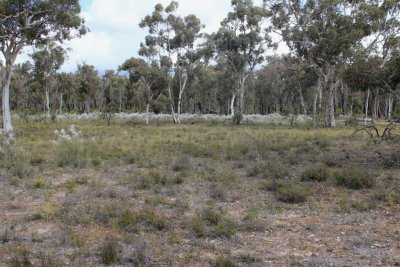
point(47, 96)
point(147, 114)
point(5, 85)
point(366, 107)
point(232, 104)
point(61, 103)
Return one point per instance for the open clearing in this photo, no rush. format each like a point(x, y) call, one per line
point(202, 194)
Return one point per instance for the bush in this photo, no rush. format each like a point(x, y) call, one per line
point(354, 179)
point(317, 173)
point(18, 162)
point(109, 251)
point(289, 192)
point(71, 153)
point(225, 261)
point(237, 118)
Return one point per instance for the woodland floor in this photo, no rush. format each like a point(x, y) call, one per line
point(201, 194)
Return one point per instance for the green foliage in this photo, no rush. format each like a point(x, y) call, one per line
point(225, 261)
point(318, 173)
point(72, 153)
point(354, 178)
point(18, 162)
point(237, 118)
point(290, 192)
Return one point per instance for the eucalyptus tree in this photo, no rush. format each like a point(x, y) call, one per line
point(21, 86)
point(149, 77)
point(325, 33)
point(67, 87)
point(242, 41)
point(89, 83)
point(172, 44)
point(31, 22)
point(46, 62)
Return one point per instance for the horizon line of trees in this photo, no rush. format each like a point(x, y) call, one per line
point(344, 59)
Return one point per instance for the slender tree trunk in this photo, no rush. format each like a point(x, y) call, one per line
point(47, 96)
point(181, 90)
point(147, 113)
point(330, 108)
point(390, 107)
point(232, 104)
point(366, 107)
point(61, 103)
point(174, 117)
point(5, 85)
point(302, 102)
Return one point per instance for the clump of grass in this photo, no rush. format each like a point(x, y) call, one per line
point(17, 161)
point(71, 153)
point(217, 192)
point(212, 222)
point(318, 173)
point(181, 164)
point(109, 251)
point(225, 261)
point(257, 168)
point(21, 257)
point(346, 205)
point(39, 184)
point(290, 192)
point(354, 179)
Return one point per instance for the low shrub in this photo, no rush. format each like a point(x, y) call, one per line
point(354, 179)
point(71, 153)
point(109, 251)
point(289, 192)
point(18, 161)
point(318, 173)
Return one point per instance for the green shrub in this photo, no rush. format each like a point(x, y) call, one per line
point(225, 228)
point(237, 118)
point(289, 192)
point(18, 162)
point(71, 153)
point(354, 179)
point(317, 173)
point(109, 251)
point(225, 261)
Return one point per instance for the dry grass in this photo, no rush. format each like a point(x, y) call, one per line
point(198, 195)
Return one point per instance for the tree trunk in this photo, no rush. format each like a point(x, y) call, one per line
point(147, 114)
point(232, 104)
point(330, 108)
point(5, 85)
point(47, 96)
point(366, 107)
point(174, 116)
point(61, 103)
point(181, 90)
point(390, 107)
point(302, 102)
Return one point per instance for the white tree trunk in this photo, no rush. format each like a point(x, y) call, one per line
point(390, 107)
point(5, 85)
point(47, 96)
point(232, 106)
point(61, 103)
point(147, 114)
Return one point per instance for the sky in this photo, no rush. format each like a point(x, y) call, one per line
point(114, 32)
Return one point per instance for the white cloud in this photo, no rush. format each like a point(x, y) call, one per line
point(114, 32)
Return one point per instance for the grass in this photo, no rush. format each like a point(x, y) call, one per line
point(195, 194)
point(355, 178)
